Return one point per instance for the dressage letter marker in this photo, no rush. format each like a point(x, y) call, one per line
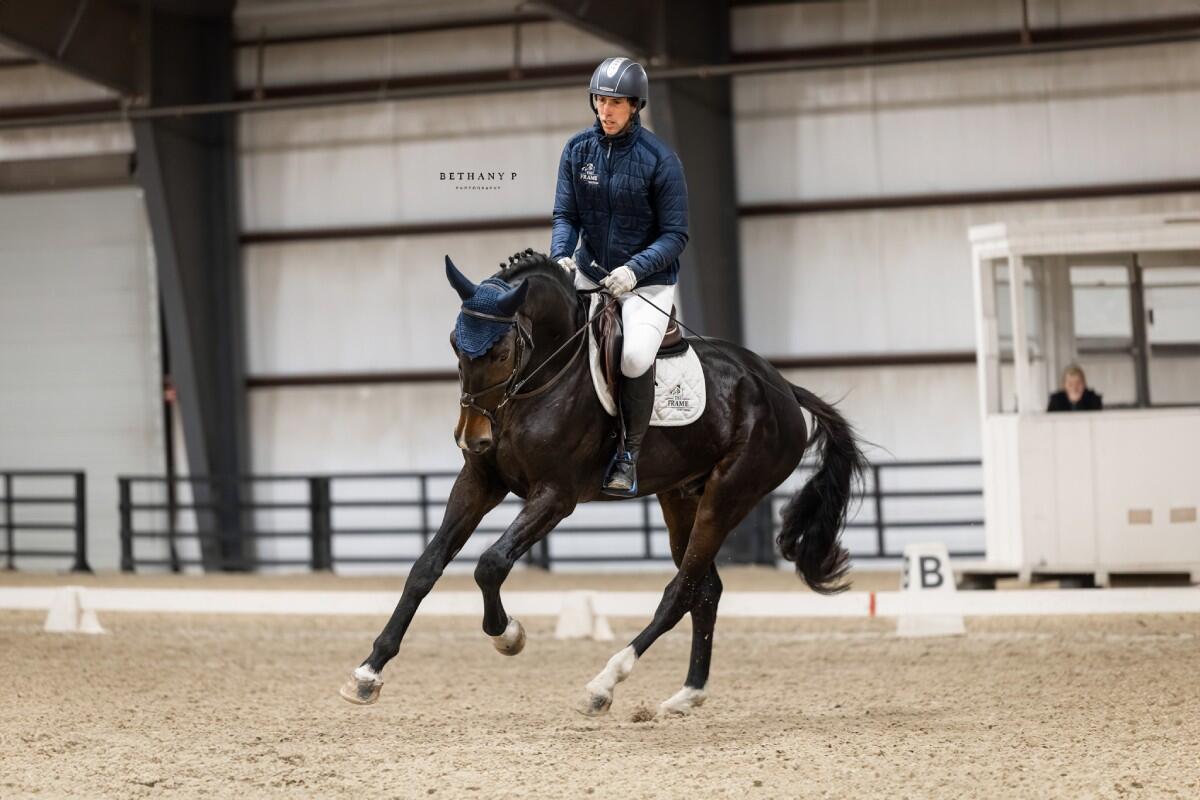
point(578, 619)
point(67, 614)
point(927, 576)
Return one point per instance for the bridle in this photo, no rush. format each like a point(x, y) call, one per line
point(524, 350)
point(510, 385)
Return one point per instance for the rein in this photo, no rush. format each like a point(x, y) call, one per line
point(512, 386)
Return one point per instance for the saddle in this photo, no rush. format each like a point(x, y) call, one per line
point(607, 329)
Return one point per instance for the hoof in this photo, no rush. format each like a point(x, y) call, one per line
point(683, 702)
point(363, 687)
point(512, 641)
point(595, 704)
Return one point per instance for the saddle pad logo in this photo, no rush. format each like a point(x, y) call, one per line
point(613, 66)
point(587, 174)
point(677, 399)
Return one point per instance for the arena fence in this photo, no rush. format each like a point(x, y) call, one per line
point(362, 519)
point(41, 516)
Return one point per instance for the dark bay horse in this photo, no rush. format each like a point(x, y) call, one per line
point(550, 442)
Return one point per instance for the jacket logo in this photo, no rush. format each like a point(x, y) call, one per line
point(613, 66)
point(587, 174)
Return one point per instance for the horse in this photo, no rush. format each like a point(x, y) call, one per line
point(550, 445)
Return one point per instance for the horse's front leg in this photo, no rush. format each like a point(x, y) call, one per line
point(474, 494)
point(543, 510)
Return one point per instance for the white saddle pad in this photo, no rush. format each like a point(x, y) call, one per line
point(679, 395)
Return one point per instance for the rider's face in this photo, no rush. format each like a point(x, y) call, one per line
point(614, 112)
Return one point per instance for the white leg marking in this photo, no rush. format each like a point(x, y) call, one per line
point(685, 701)
point(600, 688)
point(365, 673)
point(363, 687)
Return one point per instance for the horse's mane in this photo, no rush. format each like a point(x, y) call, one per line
point(527, 263)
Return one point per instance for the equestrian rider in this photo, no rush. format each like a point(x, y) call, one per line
point(621, 195)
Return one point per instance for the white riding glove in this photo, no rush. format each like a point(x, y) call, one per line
point(620, 281)
point(568, 265)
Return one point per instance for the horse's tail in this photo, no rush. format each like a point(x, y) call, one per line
point(813, 518)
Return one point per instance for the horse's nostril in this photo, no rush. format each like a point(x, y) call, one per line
point(480, 445)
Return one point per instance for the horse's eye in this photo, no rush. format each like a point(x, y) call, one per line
point(504, 356)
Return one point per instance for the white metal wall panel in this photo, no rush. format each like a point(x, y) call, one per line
point(79, 362)
point(272, 17)
point(358, 429)
point(392, 56)
point(915, 412)
point(1076, 118)
point(824, 23)
point(882, 281)
point(76, 140)
point(366, 304)
point(382, 163)
point(37, 84)
point(781, 25)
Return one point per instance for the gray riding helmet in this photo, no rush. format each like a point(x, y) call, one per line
point(619, 77)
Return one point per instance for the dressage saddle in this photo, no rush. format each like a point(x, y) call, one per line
point(609, 340)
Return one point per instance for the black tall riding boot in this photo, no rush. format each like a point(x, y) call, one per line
point(637, 404)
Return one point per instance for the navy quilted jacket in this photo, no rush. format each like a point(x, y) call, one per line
point(625, 200)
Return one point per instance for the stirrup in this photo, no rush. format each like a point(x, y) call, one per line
point(627, 457)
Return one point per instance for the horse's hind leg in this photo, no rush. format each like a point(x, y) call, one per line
point(679, 512)
point(704, 622)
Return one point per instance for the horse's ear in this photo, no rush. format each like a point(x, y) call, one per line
point(510, 301)
point(461, 283)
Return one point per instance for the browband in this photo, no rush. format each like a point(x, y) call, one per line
point(492, 317)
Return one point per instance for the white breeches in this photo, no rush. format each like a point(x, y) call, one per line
point(644, 325)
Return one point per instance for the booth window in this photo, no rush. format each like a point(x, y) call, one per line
point(1172, 307)
point(1137, 328)
point(1101, 298)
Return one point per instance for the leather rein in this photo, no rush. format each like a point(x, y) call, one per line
point(511, 385)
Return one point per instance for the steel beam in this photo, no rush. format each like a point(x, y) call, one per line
point(97, 40)
point(1174, 30)
point(630, 26)
point(693, 114)
point(694, 117)
point(938, 358)
point(66, 172)
point(187, 169)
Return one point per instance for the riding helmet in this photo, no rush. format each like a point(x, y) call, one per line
point(619, 77)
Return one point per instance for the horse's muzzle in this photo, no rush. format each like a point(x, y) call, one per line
point(480, 445)
point(473, 432)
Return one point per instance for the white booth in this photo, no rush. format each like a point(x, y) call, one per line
point(1090, 493)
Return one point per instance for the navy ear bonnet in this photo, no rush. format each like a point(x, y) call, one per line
point(476, 336)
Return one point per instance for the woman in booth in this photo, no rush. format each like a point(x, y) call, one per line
point(1075, 394)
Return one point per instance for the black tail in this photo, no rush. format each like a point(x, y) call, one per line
point(813, 519)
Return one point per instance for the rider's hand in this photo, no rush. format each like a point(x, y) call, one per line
point(568, 265)
point(620, 281)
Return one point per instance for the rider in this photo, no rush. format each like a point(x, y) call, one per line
point(622, 195)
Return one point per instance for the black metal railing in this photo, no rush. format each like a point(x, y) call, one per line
point(323, 531)
point(16, 496)
point(874, 498)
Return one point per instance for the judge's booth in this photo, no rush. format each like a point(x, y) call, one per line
point(1090, 493)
